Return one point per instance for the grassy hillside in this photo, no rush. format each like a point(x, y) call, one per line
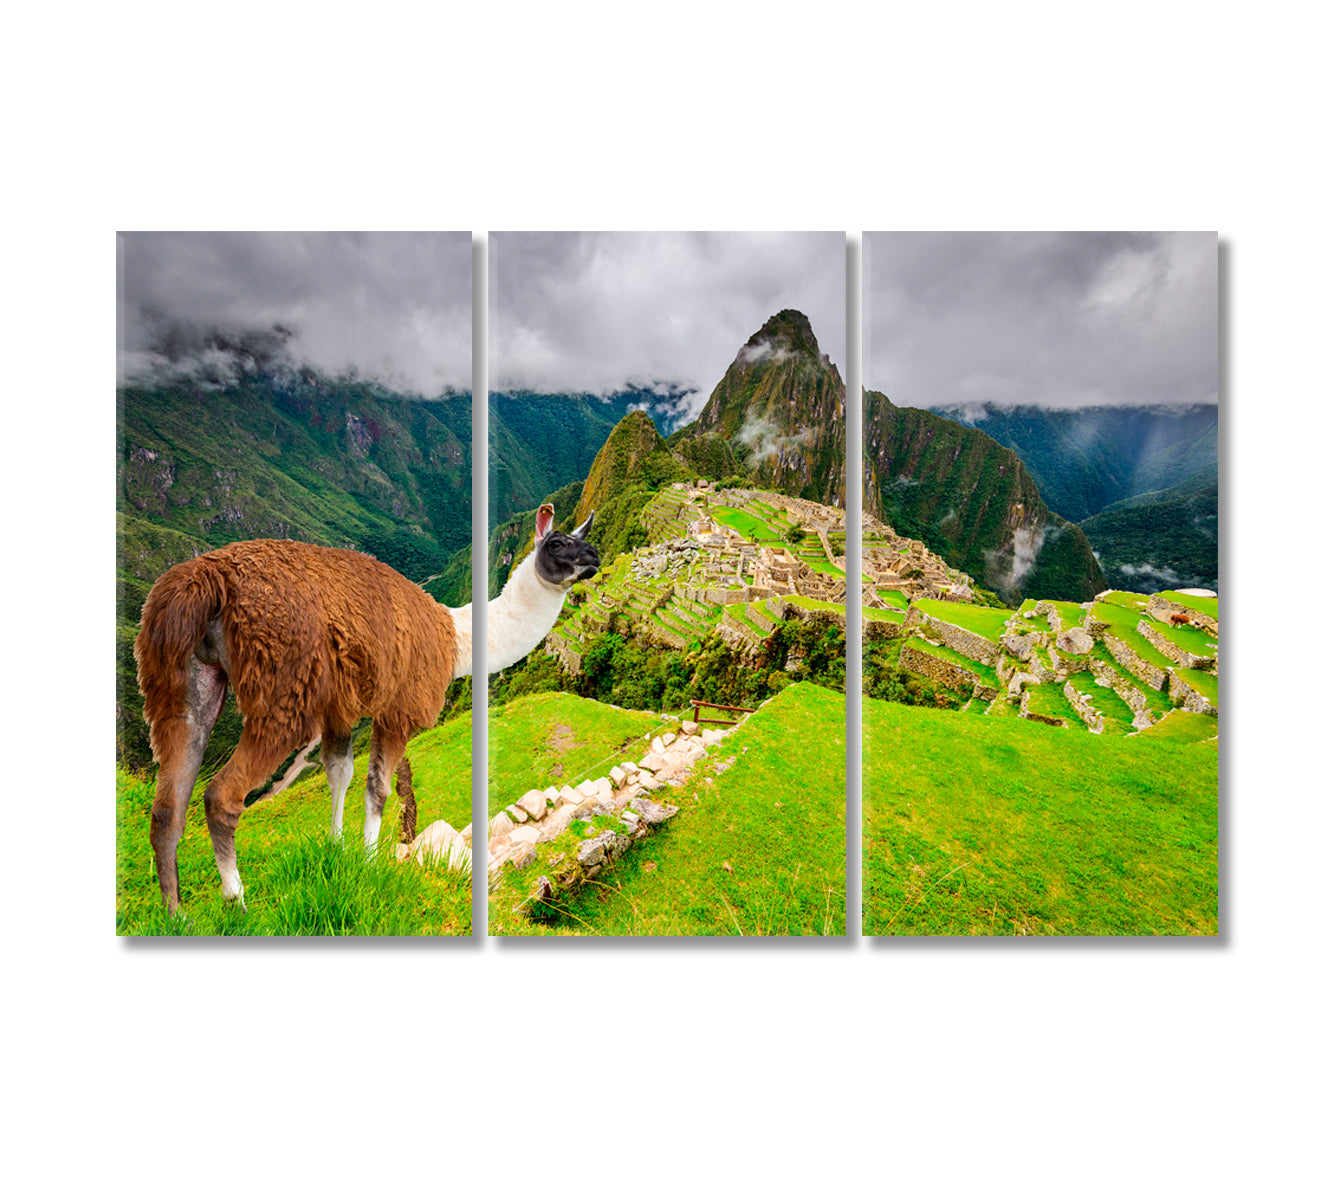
point(1010, 827)
point(297, 881)
point(756, 850)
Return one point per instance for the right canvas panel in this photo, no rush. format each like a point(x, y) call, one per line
point(1040, 599)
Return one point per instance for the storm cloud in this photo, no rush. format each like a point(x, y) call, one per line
point(601, 312)
point(1060, 320)
point(394, 308)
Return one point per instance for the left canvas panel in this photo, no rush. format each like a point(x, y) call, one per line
point(293, 629)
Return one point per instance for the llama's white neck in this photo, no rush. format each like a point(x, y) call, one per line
point(516, 621)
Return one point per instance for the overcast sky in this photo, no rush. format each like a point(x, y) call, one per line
point(595, 312)
point(1063, 320)
point(393, 307)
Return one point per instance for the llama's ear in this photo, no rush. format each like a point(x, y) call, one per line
point(582, 532)
point(545, 515)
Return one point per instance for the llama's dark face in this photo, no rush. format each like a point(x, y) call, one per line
point(564, 558)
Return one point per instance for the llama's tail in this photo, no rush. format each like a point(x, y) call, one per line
point(176, 616)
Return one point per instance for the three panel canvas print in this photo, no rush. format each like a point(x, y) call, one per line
point(667, 560)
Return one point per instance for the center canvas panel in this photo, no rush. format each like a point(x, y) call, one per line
point(294, 517)
point(666, 574)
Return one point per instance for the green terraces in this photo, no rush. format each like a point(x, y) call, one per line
point(810, 603)
point(1070, 613)
point(1131, 600)
point(893, 596)
point(1117, 615)
point(987, 675)
point(1190, 639)
point(1118, 719)
point(1124, 624)
point(1048, 700)
point(1156, 702)
point(1208, 605)
point(745, 523)
point(985, 622)
point(1202, 681)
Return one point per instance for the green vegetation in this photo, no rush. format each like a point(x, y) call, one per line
point(1086, 460)
point(1012, 827)
point(1208, 605)
point(1153, 544)
point(961, 493)
point(298, 881)
point(554, 738)
point(985, 622)
point(751, 408)
point(756, 850)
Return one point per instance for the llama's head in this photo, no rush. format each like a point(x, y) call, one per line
point(563, 558)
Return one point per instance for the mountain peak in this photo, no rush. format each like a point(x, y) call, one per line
point(786, 332)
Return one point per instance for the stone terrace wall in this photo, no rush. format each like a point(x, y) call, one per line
point(1180, 656)
point(1190, 700)
point(1155, 677)
point(948, 674)
point(1083, 705)
point(966, 642)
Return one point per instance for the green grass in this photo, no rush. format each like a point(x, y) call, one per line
point(1070, 613)
point(298, 881)
point(1202, 682)
point(985, 673)
point(1048, 700)
point(1192, 640)
point(812, 605)
point(1208, 605)
point(554, 738)
point(1012, 827)
point(893, 596)
point(755, 851)
point(1180, 726)
point(1124, 624)
point(746, 524)
point(985, 622)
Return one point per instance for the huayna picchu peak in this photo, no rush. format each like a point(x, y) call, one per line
point(780, 407)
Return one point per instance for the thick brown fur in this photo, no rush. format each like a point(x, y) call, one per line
point(311, 640)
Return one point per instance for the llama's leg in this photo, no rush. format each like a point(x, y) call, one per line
point(387, 746)
point(178, 746)
point(336, 754)
point(254, 760)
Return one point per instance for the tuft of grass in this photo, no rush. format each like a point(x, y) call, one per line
point(298, 881)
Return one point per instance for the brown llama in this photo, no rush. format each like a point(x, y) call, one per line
point(1179, 619)
point(311, 640)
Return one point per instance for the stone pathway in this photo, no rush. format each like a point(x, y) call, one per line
point(631, 791)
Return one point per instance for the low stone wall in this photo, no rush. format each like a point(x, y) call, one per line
point(1134, 699)
point(758, 614)
point(626, 792)
point(1155, 677)
point(1045, 608)
point(1164, 609)
point(965, 641)
point(570, 659)
point(878, 629)
point(817, 616)
point(1041, 718)
point(1179, 655)
point(948, 674)
point(1191, 701)
point(1083, 705)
